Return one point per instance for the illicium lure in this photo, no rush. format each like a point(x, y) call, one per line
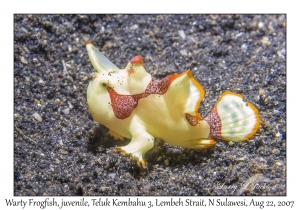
point(134, 105)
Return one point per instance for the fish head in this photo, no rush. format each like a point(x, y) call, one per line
point(132, 80)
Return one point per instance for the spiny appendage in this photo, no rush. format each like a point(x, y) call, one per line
point(115, 135)
point(98, 60)
point(232, 119)
point(139, 145)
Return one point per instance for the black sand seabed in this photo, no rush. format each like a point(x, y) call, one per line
point(66, 153)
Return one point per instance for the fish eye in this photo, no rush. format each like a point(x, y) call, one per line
point(104, 84)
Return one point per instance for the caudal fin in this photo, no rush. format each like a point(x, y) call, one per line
point(233, 119)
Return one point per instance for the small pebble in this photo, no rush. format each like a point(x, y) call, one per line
point(261, 91)
point(275, 151)
point(181, 34)
point(265, 41)
point(159, 158)
point(64, 152)
point(244, 47)
point(17, 115)
point(23, 60)
point(183, 52)
point(135, 26)
point(85, 79)
point(70, 105)
point(261, 25)
point(213, 16)
point(103, 188)
point(24, 30)
point(37, 117)
point(112, 175)
point(281, 53)
point(36, 101)
point(41, 82)
point(66, 111)
point(166, 162)
point(239, 34)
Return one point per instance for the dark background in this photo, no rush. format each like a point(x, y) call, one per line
point(66, 153)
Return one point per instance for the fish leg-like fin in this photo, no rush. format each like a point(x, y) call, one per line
point(115, 135)
point(199, 143)
point(141, 142)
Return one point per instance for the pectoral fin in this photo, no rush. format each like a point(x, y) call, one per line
point(141, 142)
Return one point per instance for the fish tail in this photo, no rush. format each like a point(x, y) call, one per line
point(233, 119)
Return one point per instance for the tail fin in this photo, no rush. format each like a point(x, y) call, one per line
point(232, 119)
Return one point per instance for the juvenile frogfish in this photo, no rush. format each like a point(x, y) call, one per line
point(132, 104)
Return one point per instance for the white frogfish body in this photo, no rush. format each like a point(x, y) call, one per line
point(133, 104)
